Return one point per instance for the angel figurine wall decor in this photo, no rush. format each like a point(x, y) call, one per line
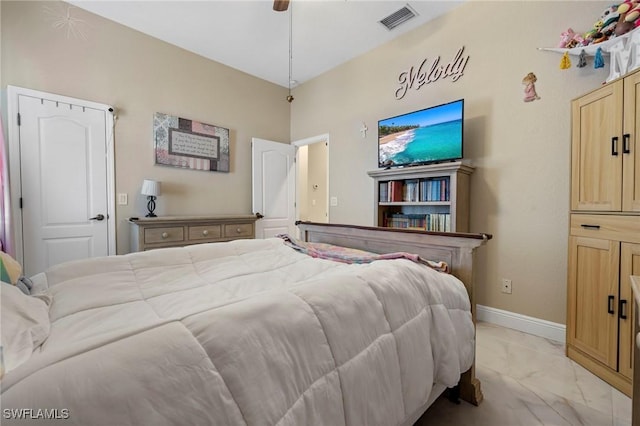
point(529, 81)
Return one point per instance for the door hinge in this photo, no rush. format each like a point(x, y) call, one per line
point(20, 202)
point(18, 119)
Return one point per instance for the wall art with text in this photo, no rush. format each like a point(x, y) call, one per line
point(180, 142)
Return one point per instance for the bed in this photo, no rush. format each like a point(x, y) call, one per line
point(251, 332)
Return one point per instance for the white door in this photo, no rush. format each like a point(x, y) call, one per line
point(273, 187)
point(64, 181)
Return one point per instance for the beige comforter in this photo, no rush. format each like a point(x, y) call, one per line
point(245, 332)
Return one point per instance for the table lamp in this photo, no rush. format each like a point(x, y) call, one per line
point(151, 189)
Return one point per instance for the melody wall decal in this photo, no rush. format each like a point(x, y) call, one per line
point(425, 74)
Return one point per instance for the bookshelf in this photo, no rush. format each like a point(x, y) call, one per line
point(432, 197)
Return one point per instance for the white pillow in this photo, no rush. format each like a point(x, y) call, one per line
point(24, 325)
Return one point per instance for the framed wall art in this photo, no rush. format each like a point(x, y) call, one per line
point(189, 144)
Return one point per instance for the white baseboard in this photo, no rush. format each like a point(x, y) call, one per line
point(524, 323)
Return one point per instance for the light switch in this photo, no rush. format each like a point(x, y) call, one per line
point(122, 199)
point(333, 201)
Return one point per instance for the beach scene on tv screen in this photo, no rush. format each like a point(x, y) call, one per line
point(425, 136)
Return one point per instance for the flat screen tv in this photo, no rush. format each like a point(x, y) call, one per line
point(430, 135)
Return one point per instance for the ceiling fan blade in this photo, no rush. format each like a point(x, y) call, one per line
point(280, 5)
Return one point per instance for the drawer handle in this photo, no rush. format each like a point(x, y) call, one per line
point(610, 301)
point(239, 230)
point(165, 235)
point(622, 312)
point(205, 232)
point(625, 143)
point(587, 226)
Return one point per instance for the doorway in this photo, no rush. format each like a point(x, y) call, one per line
point(312, 179)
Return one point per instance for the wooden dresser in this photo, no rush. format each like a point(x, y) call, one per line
point(175, 231)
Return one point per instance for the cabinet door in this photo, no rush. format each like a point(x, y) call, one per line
point(631, 140)
point(592, 322)
point(630, 265)
point(596, 150)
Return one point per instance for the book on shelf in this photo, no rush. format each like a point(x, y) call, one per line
point(429, 222)
point(383, 192)
point(411, 190)
point(414, 190)
point(391, 191)
point(434, 189)
point(396, 190)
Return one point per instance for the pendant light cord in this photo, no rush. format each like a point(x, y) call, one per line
point(290, 98)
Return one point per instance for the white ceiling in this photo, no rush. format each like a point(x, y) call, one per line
point(250, 36)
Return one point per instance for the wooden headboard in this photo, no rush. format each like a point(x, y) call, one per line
point(457, 249)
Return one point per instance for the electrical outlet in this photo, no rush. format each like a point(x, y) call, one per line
point(506, 286)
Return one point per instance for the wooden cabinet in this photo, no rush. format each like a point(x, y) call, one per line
point(604, 236)
point(605, 128)
point(432, 197)
point(161, 232)
point(604, 251)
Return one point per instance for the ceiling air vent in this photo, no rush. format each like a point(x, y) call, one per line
point(398, 17)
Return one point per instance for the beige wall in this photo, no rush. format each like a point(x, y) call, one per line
point(317, 182)
point(311, 182)
point(520, 189)
point(302, 183)
point(141, 75)
point(520, 150)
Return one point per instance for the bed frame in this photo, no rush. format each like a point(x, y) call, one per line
point(457, 249)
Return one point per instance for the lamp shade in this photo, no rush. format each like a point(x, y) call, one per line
point(150, 187)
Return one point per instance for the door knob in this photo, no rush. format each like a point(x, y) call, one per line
point(98, 217)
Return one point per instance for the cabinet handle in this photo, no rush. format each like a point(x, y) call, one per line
point(587, 226)
point(165, 235)
point(622, 312)
point(625, 143)
point(614, 145)
point(610, 301)
point(205, 232)
point(238, 230)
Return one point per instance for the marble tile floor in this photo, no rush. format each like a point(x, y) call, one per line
point(528, 380)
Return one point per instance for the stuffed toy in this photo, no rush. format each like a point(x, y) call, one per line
point(604, 27)
point(570, 39)
point(629, 16)
point(594, 35)
point(565, 38)
point(609, 18)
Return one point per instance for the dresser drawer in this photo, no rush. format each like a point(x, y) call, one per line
point(238, 230)
point(206, 232)
point(163, 235)
point(609, 227)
